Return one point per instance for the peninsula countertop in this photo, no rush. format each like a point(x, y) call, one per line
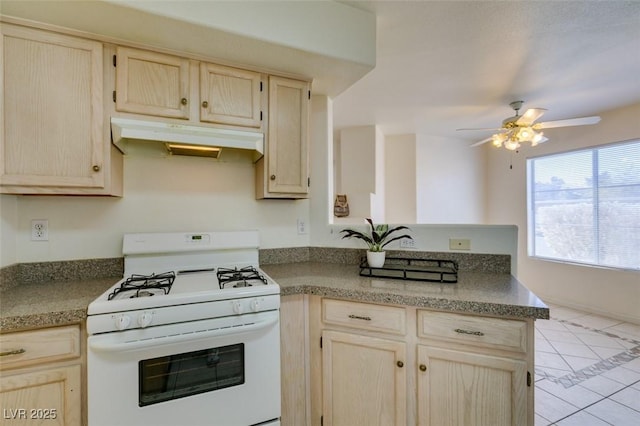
point(475, 292)
point(31, 305)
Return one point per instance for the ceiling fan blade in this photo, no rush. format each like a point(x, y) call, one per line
point(482, 128)
point(529, 116)
point(481, 142)
point(568, 122)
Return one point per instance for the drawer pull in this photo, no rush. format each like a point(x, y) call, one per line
point(475, 333)
point(14, 352)
point(359, 317)
point(423, 367)
point(400, 364)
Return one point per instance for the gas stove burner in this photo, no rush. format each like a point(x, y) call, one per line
point(142, 293)
point(145, 285)
point(239, 277)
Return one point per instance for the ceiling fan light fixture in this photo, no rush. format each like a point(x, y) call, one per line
point(523, 128)
point(512, 144)
point(498, 139)
point(525, 134)
point(537, 138)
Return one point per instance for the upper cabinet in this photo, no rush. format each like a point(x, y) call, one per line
point(152, 83)
point(53, 139)
point(230, 96)
point(284, 172)
point(160, 85)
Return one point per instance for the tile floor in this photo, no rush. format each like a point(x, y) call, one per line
point(587, 370)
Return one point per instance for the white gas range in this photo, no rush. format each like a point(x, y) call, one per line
point(189, 336)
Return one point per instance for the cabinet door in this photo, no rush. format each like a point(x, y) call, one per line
point(51, 119)
point(51, 397)
point(287, 142)
point(463, 388)
point(152, 83)
point(229, 96)
point(364, 380)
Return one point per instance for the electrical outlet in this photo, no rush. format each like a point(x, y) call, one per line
point(407, 243)
point(302, 227)
point(459, 244)
point(40, 230)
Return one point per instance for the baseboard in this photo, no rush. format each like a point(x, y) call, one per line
point(590, 310)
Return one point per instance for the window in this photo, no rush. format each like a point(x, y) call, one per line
point(584, 206)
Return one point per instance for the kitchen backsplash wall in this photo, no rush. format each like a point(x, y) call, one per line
point(161, 194)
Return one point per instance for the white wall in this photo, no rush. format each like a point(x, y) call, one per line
point(400, 178)
point(449, 180)
point(361, 175)
point(161, 193)
point(605, 291)
point(8, 221)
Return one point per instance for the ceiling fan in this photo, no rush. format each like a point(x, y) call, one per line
point(523, 128)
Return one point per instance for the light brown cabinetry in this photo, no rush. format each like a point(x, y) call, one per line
point(41, 377)
point(152, 83)
point(471, 370)
point(52, 137)
point(294, 360)
point(364, 357)
point(284, 170)
point(364, 380)
point(456, 369)
point(230, 96)
point(160, 85)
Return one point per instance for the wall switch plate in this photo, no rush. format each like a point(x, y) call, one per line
point(40, 230)
point(459, 244)
point(407, 243)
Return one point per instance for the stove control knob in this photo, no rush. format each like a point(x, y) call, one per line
point(237, 307)
point(122, 321)
point(255, 305)
point(144, 319)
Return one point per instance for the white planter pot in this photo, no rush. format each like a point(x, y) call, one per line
point(375, 259)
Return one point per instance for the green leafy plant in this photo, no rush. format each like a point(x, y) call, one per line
point(378, 237)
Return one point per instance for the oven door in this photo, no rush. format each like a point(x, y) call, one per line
point(223, 371)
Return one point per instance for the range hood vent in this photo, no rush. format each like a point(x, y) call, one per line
point(182, 139)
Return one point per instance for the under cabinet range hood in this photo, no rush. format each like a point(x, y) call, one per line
point(184, 139)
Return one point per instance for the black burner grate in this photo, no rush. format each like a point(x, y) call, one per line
point(143, 285)
point(239, 277)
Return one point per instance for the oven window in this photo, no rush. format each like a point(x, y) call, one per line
point(176, 376)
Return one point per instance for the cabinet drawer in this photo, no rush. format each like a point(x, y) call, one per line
point(387, 319)
point(39, 346)
point(492, 333)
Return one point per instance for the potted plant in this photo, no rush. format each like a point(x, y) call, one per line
point(378, 237)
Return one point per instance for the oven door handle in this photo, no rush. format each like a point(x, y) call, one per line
point(111, 343)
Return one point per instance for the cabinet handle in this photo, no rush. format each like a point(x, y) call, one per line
point(96, 168)
point(475, 333)
point(183, 101)
point(359, 317)
point(422, 367)
point(272, 177)
point(14, 352)
point(400, 364)
point(205, 104)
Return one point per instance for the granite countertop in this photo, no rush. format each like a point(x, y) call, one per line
point(475, 292)
point(46, 304)
point(42, 304)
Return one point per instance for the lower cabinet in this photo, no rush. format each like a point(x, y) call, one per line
point(364, 380)
point(40, 380)
point(466, 388)
point(399, 365)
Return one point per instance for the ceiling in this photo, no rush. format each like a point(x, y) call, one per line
point(443, 65)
